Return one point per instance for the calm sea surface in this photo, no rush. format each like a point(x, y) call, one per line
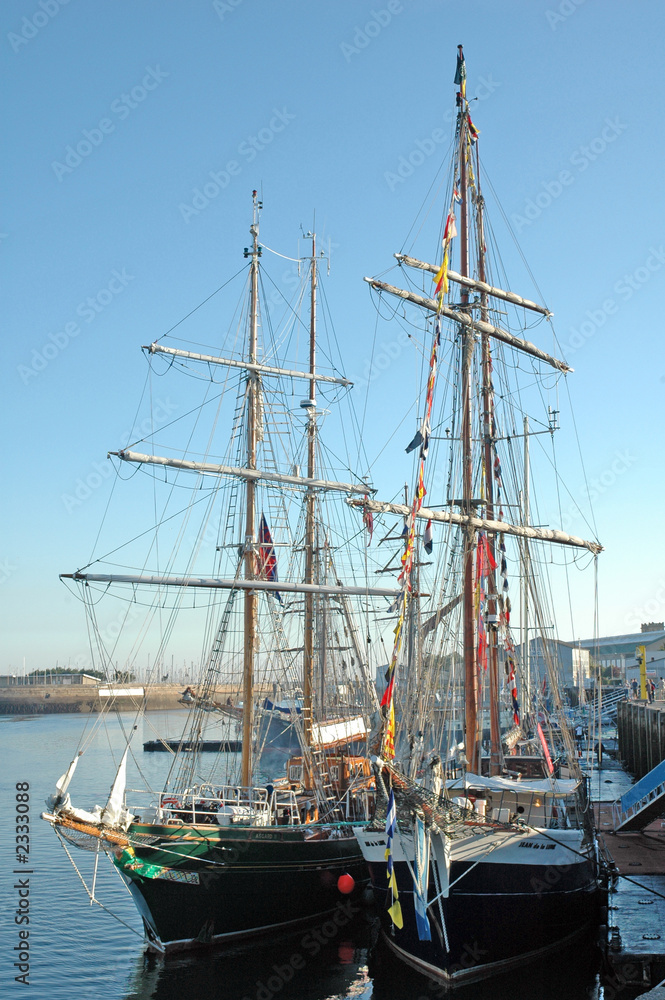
point(79, 951)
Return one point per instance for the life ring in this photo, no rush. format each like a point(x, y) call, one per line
point(171, 802)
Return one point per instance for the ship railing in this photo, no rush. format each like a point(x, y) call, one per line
point(513, 806)
point(285, 807)
point(142, 805)
point(226, 804)
point(359, 801)
point(240, 804)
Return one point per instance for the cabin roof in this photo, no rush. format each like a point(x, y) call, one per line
point(545, 786)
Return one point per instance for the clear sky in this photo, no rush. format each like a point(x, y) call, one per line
point(117, 111)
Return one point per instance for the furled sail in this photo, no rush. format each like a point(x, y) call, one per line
point(480, 523)
point(212, 469)
point(247, 365)
point(480, 325)
point(475, 285)
point(213, 583)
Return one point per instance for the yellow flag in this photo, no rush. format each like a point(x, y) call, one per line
point(395, 912)
point(444, 286)
point(441, 276)
point(388, 750)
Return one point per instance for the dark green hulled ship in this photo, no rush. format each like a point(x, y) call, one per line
point(240, 844)
point(199, 884)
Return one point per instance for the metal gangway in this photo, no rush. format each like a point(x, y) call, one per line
point(609, 702)
point(642, 803)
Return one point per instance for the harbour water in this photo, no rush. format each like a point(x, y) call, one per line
point(77, 949)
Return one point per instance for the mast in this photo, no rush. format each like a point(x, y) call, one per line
point(308, 658)
point(526, 664)
point(488, 438)
point(468, 340)
point(415, 675)
point(323, 631)
point(249, 651)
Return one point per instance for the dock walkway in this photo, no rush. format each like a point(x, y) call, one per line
point(634, 947)
point(640, 852)
point(635, 952)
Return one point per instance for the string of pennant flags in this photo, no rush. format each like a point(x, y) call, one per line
point(488, 559)
point(486, 562)
point(421, 442)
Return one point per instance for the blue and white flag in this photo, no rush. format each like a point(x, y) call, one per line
point(421, 841)
point(428, 541)
point(395, 910)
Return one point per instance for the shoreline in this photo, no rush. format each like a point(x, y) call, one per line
point(55, 699)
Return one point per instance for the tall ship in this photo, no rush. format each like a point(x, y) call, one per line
point(236, 844)
point(483, 853)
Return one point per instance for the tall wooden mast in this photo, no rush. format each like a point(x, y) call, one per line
point(310, 500)
point(526, 574)
point(488, 438)
point(468, 342)
point(249, 652)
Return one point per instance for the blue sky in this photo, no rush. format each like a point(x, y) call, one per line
point(316, 104)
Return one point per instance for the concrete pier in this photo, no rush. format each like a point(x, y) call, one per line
point(635, 950)
point(634, 947)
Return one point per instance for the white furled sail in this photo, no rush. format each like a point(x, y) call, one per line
point(246, 365)
point(211, 469)
point(61, 799)
point(480, 523)
point(212, 583)
point(477, 324)
point(114, 812)
point(477, 286)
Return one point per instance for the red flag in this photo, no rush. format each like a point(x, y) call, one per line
point(428, 542)
point(368, 521)
point(512, 687)
point(473, 131)
point(543, 743)
point(267, 569)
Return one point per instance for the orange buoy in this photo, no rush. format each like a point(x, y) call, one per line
point(346, 884)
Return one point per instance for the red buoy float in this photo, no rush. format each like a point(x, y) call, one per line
point(346, 952)
point(346, 884)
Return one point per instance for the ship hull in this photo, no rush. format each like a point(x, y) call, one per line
point(202, 886)
point(505, 906)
